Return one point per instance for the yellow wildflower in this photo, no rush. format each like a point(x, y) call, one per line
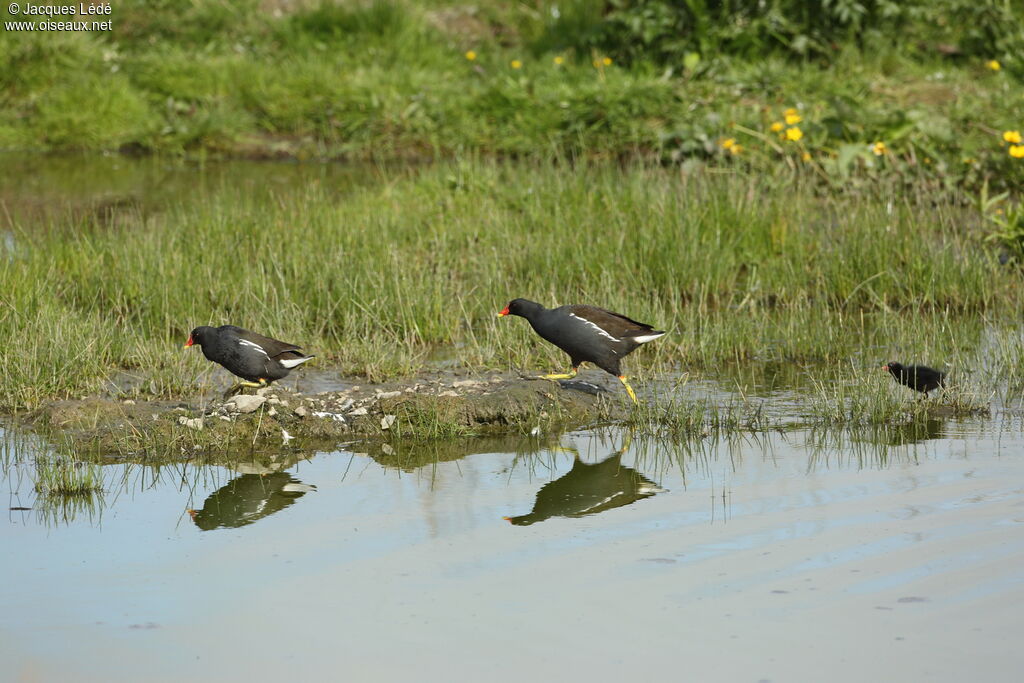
point(968, 160)
point(516, 64)
point(777, 126)
point(559, 60)
point(735, 149)
point(607, 61)
point(470, 55)
point(793, 119)
point(793, 134)
point(728, 142)
point(790, 112)
point(1017, 151)
point(806, 156)
point(878, 149)
point(994, 64)
point(1012, 136)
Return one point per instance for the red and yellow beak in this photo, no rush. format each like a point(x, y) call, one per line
point(503, 312)
point(190, 342)
point(885, 367)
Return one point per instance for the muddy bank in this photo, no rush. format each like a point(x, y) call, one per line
point(274, 418)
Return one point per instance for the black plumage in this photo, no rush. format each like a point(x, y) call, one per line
point(587, 333)
point(917, 377)
point(257, 359)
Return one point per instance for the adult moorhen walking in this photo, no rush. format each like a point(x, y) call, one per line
point(256, 359)
point(587, 333)
point(917, 377)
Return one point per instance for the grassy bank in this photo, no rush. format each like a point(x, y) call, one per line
point(913, 93)
point(740, 269)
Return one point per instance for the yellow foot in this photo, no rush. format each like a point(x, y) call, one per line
point(629, 389)
point(235, 388)
point(564, 375)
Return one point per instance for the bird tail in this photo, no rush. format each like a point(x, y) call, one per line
point(650, 336)
point(293, 362)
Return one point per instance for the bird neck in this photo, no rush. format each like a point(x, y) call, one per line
point(531, 310)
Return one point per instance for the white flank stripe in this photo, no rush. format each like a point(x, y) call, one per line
point(647, 337)
point(253, 345)
point(595, 326)
point(292, 362)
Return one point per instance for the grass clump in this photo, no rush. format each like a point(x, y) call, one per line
point(64, 477)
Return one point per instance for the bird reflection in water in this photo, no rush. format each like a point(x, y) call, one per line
point(248, 498)
point(588, 489)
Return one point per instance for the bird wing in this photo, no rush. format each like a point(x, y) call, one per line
point(613, 323)
point(270, 346)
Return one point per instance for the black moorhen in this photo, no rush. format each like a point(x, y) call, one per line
point(256, 359)
point(587, 333)
point(917, 377)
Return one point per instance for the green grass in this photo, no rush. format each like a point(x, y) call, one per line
point(389, 79)
point(741, 270)
point(64, 477)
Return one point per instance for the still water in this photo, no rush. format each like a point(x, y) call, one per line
point(892, 554)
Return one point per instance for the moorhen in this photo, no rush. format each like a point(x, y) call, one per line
point(917, 377)
point(587, 333)
point(256, 359)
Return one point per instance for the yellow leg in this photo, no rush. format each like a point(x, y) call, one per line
point(564, 375)
point(235, 388)
point(629, 389)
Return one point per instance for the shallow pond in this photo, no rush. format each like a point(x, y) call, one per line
point(886, 554)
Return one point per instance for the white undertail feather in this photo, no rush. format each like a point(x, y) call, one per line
point(292, 362)
point(643, 339)
point(252, 345)
point(597, 327)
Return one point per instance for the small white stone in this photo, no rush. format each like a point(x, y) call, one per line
point(263, 391)
point(301, 411)
point(358, 411)
point(346, 404)
point(128, 402)
point(191, 422)
point(465, 383)
point(388, 394)
point(274, 401)
point(225, 418)
point(448, 393)
point(329, 416)
point(244, 403)
point(272, 412)
point(387, 421)
point(387, 449)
